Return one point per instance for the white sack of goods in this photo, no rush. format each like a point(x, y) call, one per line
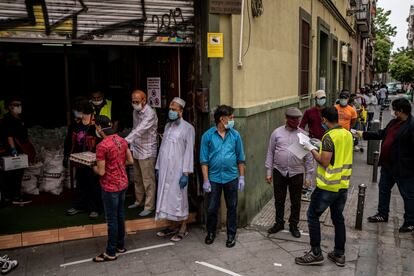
point(30, 179)
point(53, 173)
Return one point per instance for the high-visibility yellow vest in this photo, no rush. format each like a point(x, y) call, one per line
point(337, 176)
point(106, 109)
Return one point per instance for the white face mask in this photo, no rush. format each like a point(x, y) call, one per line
point(77, 114)
point(137, 107)
point(97, 103)
point(17, 109)
point(393, 114)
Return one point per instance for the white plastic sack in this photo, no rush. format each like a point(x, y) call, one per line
point(53, 173)
point(30, 179)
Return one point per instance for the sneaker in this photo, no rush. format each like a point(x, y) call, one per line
point(73, 211)
point(306, 197)
point(406, 229)
point(135, 205)
point(276, 228)
point(21, 201)
point(377, 218)
point(145, 213)
point(9, 266)
point(310, 259)
point(339, 260)
point(93, 215)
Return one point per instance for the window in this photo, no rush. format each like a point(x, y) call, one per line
point(304, 53)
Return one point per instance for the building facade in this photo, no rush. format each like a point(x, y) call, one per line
point(410, 32)
point(293, 49)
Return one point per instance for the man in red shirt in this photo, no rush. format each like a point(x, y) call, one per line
point(112, 155)
point(312, 117)
point(397, 163)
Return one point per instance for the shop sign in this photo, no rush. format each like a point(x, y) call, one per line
point(225, 6)
point(154, 91)
point(215, 46)
point(344, 51)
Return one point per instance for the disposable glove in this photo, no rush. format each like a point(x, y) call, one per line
point(183, 181)
point(241, 183)
point(308, 146)
point(13, 152)
point(207, 186)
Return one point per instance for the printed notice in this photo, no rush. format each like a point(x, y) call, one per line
point(154, 91)
point(215, 46)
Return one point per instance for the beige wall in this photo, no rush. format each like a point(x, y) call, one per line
point(271, 67)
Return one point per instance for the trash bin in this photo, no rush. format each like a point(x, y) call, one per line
point(373, 145)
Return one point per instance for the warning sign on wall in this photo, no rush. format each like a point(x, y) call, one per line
point(215, 46)
point(154, 91)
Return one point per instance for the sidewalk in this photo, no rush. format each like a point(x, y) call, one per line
point(376, 250)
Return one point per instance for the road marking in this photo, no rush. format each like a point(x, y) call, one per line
point(128, 252)
point(277, 264)
point(218, 268)
point(303, 233)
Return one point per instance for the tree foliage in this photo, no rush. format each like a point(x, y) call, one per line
point(402, 65)
point(383, 32)
point(382, 28)
point(382, 55)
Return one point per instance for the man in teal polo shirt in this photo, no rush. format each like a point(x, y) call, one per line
point(222, 163)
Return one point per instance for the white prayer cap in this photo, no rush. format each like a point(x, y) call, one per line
point(179, 101)
point(320, 94)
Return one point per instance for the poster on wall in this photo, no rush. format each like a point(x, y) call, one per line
point(215, 46)
point(154, 91)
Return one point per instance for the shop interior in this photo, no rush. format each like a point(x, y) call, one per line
point(49, 77)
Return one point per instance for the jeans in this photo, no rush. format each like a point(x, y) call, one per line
point(280, 185)
point(320, 201)
point(230, 195)
point(115, 218)
point(88, 191)
point(406, 188)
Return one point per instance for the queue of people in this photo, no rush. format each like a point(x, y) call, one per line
point(165, 175)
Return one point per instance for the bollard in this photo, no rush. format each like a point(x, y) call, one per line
point(360, 208)
point(375, 167)
point(373, 145)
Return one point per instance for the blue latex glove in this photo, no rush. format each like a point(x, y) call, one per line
point(183, 181)
point(241, 183)
point(157, 174)
point(207, 186)
point(13, 152)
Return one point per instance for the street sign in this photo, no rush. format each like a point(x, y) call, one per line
point(154, 91)
point(225, 6)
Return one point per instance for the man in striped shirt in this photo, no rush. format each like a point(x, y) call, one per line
point(143, 141)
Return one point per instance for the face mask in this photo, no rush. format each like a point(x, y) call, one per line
point(229, 125)
point(370, 94)
point(97, 134)
point(324, 126)
point(17, 110)
point(97, 103)
point(172, 115)
point(321, 102)
point(393, 114)
point(77, 114)
point(343, 102)
point(137, 107)
point(293, 123)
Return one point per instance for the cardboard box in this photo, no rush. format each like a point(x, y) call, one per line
point(8, 163)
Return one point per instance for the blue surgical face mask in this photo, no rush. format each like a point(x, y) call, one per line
point(230, 124)
point(325, 127)
point(321, 102)
point(343, 102)
point(172, 115)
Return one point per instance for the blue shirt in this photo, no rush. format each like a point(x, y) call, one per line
point(222, 156)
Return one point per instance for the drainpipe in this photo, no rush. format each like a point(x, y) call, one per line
point(240, 62)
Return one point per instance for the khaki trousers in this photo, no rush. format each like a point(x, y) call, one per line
point(144, 182)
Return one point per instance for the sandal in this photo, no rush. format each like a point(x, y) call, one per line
point(121, 251)
point(166, 232)
point(179, 236)
point(103, 258)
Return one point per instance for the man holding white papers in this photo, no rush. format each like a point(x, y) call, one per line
point(287, 171)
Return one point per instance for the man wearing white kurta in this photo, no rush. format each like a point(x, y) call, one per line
point(174, 164)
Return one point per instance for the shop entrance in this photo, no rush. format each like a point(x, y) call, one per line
point(49, 77)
